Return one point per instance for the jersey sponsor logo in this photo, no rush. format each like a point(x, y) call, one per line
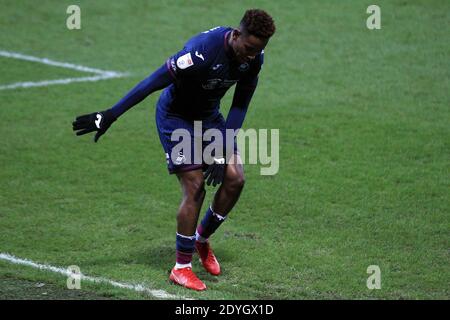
point(228, 83)
point(185, 61)
point(199, 55)
point(212, 84)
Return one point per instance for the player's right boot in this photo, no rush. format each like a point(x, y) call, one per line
point(186, 277)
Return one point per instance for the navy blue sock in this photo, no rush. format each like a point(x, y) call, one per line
point(185, 248)
point(210, 223)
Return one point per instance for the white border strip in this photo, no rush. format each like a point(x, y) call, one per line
point(100, 74)
point(138, 287)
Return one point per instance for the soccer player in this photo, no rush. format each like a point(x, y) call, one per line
point(195, 79)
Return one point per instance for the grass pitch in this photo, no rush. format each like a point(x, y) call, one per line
point(364, 152)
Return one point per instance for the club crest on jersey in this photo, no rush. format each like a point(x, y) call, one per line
point(244, 67)
point(185, 61)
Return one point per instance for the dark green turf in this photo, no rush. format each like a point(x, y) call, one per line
point(364, 151)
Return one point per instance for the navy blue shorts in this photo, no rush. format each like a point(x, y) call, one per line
point(179, 161)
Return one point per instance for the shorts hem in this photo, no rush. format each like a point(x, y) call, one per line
point(191, 167)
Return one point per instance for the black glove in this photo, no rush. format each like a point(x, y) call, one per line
point(215, 172)
point(97, 121)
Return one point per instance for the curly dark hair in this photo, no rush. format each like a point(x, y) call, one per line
point(258, 23)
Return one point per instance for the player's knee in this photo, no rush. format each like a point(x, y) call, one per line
point(235, 182)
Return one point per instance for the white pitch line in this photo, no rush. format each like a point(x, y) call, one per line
point(100, 74)
point(44, 83)
point(49, 62)
point(135, 287)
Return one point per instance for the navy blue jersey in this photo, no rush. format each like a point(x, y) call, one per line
point(203, 71)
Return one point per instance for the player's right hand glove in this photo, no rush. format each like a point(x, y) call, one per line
point(215, 172)
point(97, 121)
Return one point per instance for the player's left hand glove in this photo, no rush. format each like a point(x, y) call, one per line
point(215, 172)
point(97, 121)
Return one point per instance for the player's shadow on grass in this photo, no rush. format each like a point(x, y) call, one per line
point(160, 256)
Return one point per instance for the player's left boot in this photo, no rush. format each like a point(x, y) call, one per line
point(207, 258)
